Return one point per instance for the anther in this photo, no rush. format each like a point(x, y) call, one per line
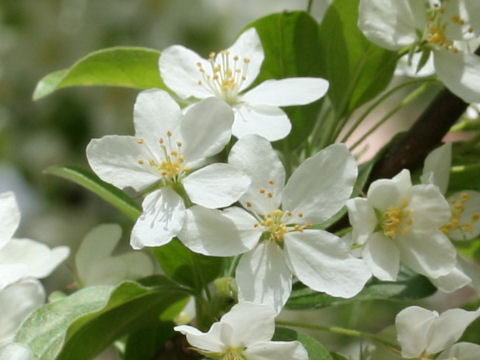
point(140, 141)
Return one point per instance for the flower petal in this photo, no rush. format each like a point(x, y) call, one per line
point(206, 129)
point(384, 193)
point(255, 156)
point(321, 185)
point(291, 350)
point(461, 350)
point(210, 341)
point(413, 324)
point(267, 121)
point(216, 185)
point(17, 301)
point(248, 45)
point(16, 351)
point(436, 169)
point(263, 276)
point(321, 261)
point(460, 72)
point(448, 328)
point(251, 324)
point(9, 217)
point(287, 92)
point(155, 113)
point(362, 218)
point(180, 72)
point(40, 259)
point(382, 257)
point(453, 281)
point(427, 252)
point(11, 273)
point(117, 160)
point(391, 24)
point(430, 209)
point(219, 233)
point(161, 220)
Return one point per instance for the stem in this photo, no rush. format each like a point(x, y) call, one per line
point(342, 331)
point(412, 96)
point(232, 266)
point(379, 101)
point(309, 6)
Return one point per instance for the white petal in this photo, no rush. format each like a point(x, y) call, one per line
point(287, 92)
point(16, 351)
point(291, 350)
point(429, 253)
point(267, 121)
point(436, 169)
point(251, 323)
point(115, 159)
point(216, 185)
point(454, 280)
point(382, 257)
point(321, 261)
point(413, 325)
point(430, 209)
point(460, 72)
point(248, 45)
point(40, 259)
point(155, 113)
point(255, 156)
point(469, 227)
point(362, 218)
point(210, 341)
point(206, 129)
point(9, 217)
point(461, 350)
point(17, 301)
point(98, 244)
point(10, 273)
point(180, 72)
point(216, 233)
point(384, 193)
point(391, 23)
point(161, 220)
point(448, 328)
point(321, 185)
point(263, 276)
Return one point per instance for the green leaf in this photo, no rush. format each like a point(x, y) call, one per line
point(92, 182)
point(315, 350)
point(188, 268)
point(357, 69)
point(291, 45)
point(81, 325)
point(465, 177)
point(337, 356)
point(404, 289)
point(147, 342)
point(132, 67)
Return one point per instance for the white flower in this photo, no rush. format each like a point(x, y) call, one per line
point(398, 221)
point(448, 28)
point(22, 258)
point(228, 74)
point(280, 217)
point(244, 333)
point(96, 266)
point(423, 333)
point(166, 147)
point(16, 351)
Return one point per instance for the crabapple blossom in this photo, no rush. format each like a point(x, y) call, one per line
point(167, 147)
point(278, 225)
point(449, 29)
point(228, 74)
point(244, 333)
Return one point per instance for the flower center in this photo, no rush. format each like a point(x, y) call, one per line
point(234, 354)
point(396, 220)
point(437, 26)
point(225, 75)
point(172, 165)
point(458, 208)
